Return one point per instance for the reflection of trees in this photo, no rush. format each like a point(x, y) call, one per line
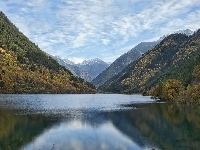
point(123, 122)
point(17, 130)
point(169, 126)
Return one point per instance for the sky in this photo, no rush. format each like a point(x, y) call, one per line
point(104, 29)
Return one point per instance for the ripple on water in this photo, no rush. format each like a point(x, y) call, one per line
point(68, 104)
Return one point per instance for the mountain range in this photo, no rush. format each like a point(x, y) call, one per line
point(25, 68)
point(175, 57)
point(94, 66)
point(75, 70)
point(168, 68)
point(86, 70)
point(122, 62)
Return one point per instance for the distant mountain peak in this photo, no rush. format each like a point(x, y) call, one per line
point(87, 70)
point(92, 61)
point(93, 66)
point(67, 61)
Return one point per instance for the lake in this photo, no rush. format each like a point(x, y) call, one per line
point(96, 121)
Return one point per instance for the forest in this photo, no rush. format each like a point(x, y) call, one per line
point(168, 71)
point(25, 68)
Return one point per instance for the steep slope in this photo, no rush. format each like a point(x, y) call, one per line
point(26, 69)
point(187, 32)
point(123, 61)
point(149, 69)
point(75, 70)
point(94, 66)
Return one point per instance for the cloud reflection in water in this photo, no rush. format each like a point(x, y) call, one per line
point(79, 135)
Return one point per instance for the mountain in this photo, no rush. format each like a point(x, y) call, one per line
point(67, 61)
point(24, 68)
point(174, 57)
point(86, 70)
point(187, 32)
point(94, 66)
point(123, 61)
point(75, 70)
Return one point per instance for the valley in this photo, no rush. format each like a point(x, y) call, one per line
point(147, 68)
point(103, 75)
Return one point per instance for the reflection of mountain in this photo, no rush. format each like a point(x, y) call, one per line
point(17, 130)
point(166, 126)
point(93, 130)
point(124, 124)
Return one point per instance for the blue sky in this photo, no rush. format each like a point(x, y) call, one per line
point(105, 29)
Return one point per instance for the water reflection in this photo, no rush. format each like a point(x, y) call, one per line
point(169, 126)
point(146, 126)
point(16, 130)
point(52, 103)
point(78, 135)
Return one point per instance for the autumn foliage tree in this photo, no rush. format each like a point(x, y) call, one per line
point(25, 68)
point(175, 90)
point(192, 94)
point(169, 90)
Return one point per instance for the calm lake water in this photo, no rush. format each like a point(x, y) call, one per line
point(96, 122)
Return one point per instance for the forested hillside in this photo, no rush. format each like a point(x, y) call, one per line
point(24, 68)
point(174, 58)
point(122, 62)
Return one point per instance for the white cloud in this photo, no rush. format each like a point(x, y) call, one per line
point(105, 41)
point(82, 28)
point(80, 39)
point(76, 60)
